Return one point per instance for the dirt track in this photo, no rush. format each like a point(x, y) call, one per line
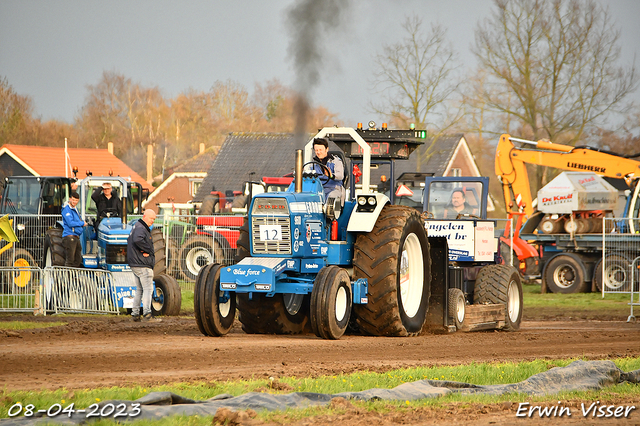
point(108, 351)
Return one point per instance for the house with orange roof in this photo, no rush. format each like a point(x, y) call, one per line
point(29, 160)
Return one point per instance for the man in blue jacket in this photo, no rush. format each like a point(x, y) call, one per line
point(72, 226)
point(141, 258)
point(332, 174)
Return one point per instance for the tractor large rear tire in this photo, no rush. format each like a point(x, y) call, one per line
point(53, 249)
point(394, 257)
point(159, 249)
point(210, 205)
point(201, 250)
point(244, 244)
point(500, 284)
point(167, 298)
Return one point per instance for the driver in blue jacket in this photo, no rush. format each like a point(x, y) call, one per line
point(72, 226)
point(331, 176)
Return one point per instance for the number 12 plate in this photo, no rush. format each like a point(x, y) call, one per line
point(270, 232)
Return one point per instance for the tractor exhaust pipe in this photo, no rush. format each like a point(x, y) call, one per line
point(298, 171)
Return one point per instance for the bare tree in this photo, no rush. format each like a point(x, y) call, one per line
point(416, 78)
point(556, 62)
point(15, 115)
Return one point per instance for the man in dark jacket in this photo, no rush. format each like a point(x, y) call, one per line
point(107, 203)
point(141, 259)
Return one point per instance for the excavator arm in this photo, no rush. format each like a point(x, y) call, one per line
point(511, 170)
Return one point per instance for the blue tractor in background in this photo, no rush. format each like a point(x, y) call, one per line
point(104, 246)
point(306, 263)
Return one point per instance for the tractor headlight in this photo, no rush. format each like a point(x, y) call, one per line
point(362, 200)
point(372, 201)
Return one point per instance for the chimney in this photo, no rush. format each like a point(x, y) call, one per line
point(110, 147)
point(149, 163)
point(201, 147)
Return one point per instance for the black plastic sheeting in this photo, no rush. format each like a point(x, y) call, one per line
point(578, 376)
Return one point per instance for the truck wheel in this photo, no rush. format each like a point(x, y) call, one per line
point(617, 274)
point(197, 252)
point(500, 284)
point(564, 274)
point(457, 306)
point(280, 314)
point(53, 249)
point(330, 303)
point(213, 317)
point(394, 258)
point(160, 267)
point(166, 298)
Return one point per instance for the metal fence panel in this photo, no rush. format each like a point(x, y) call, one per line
point(29, 250)
point(194, 241)
point(79, 290)
point(20, 289)
point(619, 269)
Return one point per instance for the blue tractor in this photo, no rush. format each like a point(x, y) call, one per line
point(104, 245)
point(309, 263)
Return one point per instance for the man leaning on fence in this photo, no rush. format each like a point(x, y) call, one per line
point(141, 259)
point(72, 226)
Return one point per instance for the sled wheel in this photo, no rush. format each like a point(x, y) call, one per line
point(457, 306)
point(500, 284)
point(216, 314)
point(330, 303)
point(166, 297)
point(394, 257)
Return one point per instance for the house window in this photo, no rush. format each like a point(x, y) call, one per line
point(456, 172)
point(194, 185)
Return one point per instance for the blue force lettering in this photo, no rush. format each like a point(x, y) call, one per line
point(244, 273)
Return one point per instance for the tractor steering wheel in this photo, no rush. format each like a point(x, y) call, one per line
point(322, 166)
point(109, 212)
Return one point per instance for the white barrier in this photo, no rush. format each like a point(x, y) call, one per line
point(79, 290)
point(619, 269)
point(20, 289)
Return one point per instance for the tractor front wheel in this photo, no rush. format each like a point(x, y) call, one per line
point(331, 300)
point(214, 311)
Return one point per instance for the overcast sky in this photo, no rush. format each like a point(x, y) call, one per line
point(51, 50)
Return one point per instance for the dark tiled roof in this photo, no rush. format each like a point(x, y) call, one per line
point(198, 163)
point(272, 154)
point(265, 154)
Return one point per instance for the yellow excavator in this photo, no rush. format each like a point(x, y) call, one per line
point(576, 269)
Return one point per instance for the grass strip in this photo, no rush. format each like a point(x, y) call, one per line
point(475, 373)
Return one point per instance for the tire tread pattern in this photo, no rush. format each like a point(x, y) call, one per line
point(376, 258)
